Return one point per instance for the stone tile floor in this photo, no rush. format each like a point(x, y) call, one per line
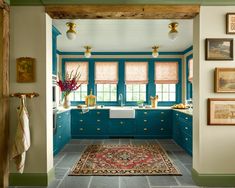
point(71, 153)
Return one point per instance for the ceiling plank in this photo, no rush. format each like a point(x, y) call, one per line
point(122, 11)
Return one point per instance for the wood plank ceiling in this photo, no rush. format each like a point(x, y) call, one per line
point(122, 11)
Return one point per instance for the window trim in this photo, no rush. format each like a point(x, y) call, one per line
point(121, 87)
point(189, 85)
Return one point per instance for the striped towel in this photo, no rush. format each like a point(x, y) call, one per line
point(22, 137)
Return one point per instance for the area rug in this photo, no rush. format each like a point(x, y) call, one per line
point(124, 160)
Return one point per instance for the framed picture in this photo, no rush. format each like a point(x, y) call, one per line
point(25, 69)
point(230, 23)
point(225, 80)
point(221, 111)
point(219, 49)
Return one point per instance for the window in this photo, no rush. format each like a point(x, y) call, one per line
point(189, 91)
point(190, 70)
point(106, 79)
point(166, 78)
point(81, 93)
point(136, 78)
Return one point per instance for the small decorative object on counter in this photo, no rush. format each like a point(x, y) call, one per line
point(180, 106)
point(154, 101)
point(68, 84)
point(90, 99)
point(140, 103)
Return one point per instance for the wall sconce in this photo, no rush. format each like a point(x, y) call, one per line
point(71, 33)
point(87, 52)
point(155, 51)
point(173, 33)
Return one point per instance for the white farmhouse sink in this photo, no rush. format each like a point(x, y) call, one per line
point(121, 112)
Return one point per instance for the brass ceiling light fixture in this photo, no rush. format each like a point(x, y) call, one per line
point(155, 51)
point(87, 52)
point(71, 33)
point(173, 33)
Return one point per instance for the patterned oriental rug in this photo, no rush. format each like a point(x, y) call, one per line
point(124, 160)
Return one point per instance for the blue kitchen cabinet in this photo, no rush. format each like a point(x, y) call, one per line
point(153, 123)
point(122, 127)
point(93, 124)
point(182, 130)
point(62, 132)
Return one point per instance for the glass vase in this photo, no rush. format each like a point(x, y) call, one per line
point(66, 103)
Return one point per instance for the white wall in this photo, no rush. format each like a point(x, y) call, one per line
point(214, 146)
point(30, 31)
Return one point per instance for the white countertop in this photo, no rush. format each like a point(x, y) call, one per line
point(186, 111)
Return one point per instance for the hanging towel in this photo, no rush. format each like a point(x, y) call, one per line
point(22, 138)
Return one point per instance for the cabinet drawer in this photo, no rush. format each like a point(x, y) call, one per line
point(79, 130)
point(186, 128)
point(104, 114)
point(122, 126)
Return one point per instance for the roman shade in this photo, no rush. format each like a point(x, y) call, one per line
point(106, 72)
point(83, 69)
point(190, 70)
point(136, 72)
point(166, 72)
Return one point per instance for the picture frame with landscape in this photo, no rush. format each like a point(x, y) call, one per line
point(219, 49)
point(225, 80)
point(221, 111)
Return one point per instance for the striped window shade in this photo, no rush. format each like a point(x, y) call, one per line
point(190, 70)
point(106, 72)
point(166, 73)
point(136, 72)
point(82, 68)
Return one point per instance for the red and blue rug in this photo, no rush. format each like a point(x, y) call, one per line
point(124, 160)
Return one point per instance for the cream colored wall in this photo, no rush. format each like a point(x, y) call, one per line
point(30, 31)
point(213, 146)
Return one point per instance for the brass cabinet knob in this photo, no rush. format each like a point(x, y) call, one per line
point(162, 112)
point(81, 113)
point(59, 117)
point(98, 129)
point(81, 129)
point(145, 129)
point(186, 118)
point(98, 113)
point(162, 120)
point(186, 128)
point(186, 139)
point(60, 137)
point(98, 120)
point(60, 126)
point(145, 112)
point(162, 129)
point(176, 114)
point(121, 122)
point(145, 120)
point(81, 120)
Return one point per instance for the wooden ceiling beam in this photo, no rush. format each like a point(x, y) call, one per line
point(122, 11)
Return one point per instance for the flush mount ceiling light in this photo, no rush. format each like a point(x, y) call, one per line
point(155, 51)
point(173, 33)
point(71, 33)
point(87, 52)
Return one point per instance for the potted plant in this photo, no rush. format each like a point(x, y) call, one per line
point(140, 103)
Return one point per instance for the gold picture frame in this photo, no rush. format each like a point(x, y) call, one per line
point(230, 23)
point(221, 111)
point(25, 70)
point(225, 80)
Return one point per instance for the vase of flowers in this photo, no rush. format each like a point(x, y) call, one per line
point(68, 84)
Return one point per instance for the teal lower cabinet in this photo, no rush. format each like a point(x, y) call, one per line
point(182, 130)
point(153, 123)
point(62, 132)
point(121, 127)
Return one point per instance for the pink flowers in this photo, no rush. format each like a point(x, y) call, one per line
point(70, 82)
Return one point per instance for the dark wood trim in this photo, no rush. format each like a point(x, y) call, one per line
point(4, 95)
point(122, 11)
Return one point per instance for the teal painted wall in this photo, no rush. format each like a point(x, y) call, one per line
point(173, 2)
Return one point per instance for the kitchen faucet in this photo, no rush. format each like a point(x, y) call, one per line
point(120, 99)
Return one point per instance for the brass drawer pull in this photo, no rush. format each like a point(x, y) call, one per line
point(162, 129)
point(145, 113)
point(186, 128)
point(59, 117)
point(81, 113)
point(186, 118)
point(60, 126)
point(162, 120)
point(81, 120)
point(81, 129)
point(186, 139)
point(98, 120)
point(60, 137)
point(176, 114)
point(162, 112)
point(98, 113)
point(121, 123)
point(98, 129)
point(145, 129)
point(145, 120)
